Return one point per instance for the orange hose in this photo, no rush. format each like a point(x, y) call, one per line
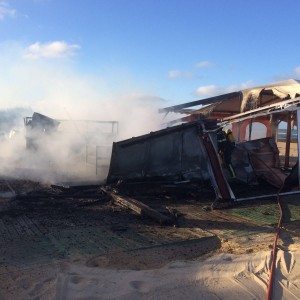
point(274, 251)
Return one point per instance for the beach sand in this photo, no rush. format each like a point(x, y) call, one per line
point(221, 276)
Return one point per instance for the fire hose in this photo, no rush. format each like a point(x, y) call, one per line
point(274, 250)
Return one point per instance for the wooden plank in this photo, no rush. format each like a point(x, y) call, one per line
point(139, 207)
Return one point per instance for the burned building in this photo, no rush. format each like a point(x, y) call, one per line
point(184, 152)
point(265, 106)
point(191, 152)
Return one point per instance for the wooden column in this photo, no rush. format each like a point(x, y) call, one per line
point(236, 129)
point(273, 128)
point(243, 126)
point(250, 130)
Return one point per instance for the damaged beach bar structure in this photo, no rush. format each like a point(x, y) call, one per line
point(191, 151)
point(149, 149)
point(222, 179)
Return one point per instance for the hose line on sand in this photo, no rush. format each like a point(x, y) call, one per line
point(274, 251)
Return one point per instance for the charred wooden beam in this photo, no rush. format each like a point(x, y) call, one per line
point(139, 207)
point(218, 180)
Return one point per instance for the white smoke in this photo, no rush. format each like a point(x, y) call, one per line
point(55, 88)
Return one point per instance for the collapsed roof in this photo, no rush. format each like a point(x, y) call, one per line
point(225, 105)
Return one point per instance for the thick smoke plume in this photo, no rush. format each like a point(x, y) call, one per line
point(56, 89)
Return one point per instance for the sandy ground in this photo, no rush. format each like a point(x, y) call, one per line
point(222, 276)
point(293, 152)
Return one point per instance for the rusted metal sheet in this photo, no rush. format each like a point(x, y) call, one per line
point(185, 152)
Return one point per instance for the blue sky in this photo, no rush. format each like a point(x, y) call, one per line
point(175, 51)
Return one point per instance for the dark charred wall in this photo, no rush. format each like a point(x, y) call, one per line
point(258, 158)
point(175, 153)
point(293, 179)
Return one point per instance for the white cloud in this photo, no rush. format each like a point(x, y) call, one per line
point(204, 64)
point(6, 10)
point(213, 90)
point(294, 73)
point(56, 49)
point(180, 74)
point(209, 90)
point(187, 74)
point(297, 72)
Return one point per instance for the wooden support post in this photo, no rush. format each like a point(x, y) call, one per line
point(288, 141)
point(250, 130)
point(236, 130)
point(273, 128)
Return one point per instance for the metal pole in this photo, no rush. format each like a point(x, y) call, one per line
point(288, 141)
point(298, 140)
point(267, 196)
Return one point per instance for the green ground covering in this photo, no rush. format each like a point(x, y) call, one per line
point(267, 212)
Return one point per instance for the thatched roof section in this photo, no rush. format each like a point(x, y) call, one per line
point(242, 101)
point(269, 94)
